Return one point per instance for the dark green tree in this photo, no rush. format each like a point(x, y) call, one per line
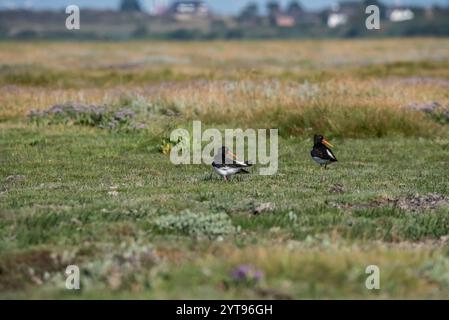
point(294, 8)
point(251, 11)
point(130, 5)
point(273, 8)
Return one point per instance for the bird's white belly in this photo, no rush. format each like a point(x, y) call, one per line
point(226, 171)
point(320, 161)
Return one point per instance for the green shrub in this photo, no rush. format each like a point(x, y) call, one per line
point(86, 115)
point(210, 225)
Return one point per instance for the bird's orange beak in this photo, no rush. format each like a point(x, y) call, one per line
point(327, 143)
point(232, 155)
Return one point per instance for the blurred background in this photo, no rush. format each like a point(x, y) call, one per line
point(216, 19)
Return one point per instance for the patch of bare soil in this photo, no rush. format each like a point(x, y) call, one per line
point(19, 270)
point(11, 181)
point(337, 188)
point(411, 203)
point(14, 178)
point(418, 203)
point(264, 207)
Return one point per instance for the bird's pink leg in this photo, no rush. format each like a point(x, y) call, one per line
point(225, 178)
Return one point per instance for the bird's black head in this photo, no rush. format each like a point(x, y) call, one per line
point(319, 139)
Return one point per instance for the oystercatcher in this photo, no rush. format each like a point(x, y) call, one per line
point(321, 152)
point(226, 164)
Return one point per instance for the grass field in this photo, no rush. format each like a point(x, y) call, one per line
point(100, 194)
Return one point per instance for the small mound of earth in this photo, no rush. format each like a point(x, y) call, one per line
point(10, 181)
point(264, 207)
point(413, 203)
point(419, 203)
point(337, 188)
point(14, 178)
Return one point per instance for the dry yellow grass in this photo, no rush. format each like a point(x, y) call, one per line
point(345, 105)
point(345, 86)
point(226, 55)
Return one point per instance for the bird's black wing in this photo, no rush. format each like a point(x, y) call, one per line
point(331, 155)
point(320, 153)
point(237, 164)
point(324, 153)
point(231, 163)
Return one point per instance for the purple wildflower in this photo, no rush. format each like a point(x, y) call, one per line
point(246, 274)
point(124, 115)
point(56, 109)
point(91, 115)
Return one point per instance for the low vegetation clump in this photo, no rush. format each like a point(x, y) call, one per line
point(91, 115)
point(438, 270)
point(437, 111)
point(211, 225)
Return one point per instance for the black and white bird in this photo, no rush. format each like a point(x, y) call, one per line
point(321, 152)
point(226, 164)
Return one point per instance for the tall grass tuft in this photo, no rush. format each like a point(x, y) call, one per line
point(349, 121)
point(344, 108)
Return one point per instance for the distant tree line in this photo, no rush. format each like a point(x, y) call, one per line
point(130, 22)
point(130, 5)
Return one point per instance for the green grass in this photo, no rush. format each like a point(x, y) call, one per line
point(65, 203)
point(33, 75)
point(73, 191)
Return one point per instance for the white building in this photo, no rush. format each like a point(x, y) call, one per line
point(343, 11)
point(336, 19)
point(401, 14)
point(187, 10)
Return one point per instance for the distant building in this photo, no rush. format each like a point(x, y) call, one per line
point(342, 12)
point(284, 20)
point(293, 15)
point(187, 10)
point(275, 14)
point(336, 19)
point(399, 14)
